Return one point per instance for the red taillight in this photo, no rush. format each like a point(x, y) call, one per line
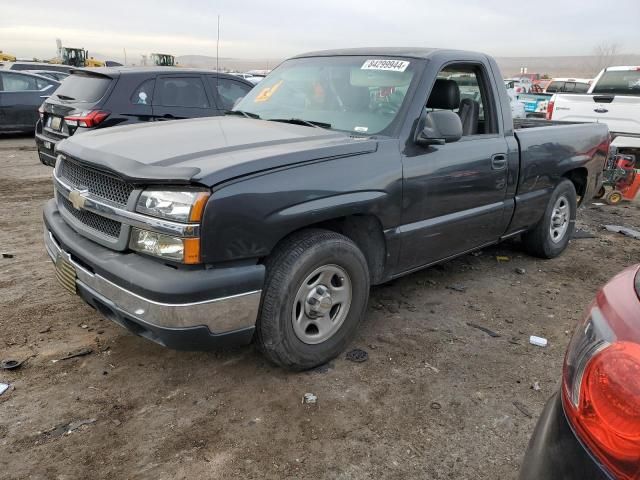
point(607, 418)
point(88, 119)
point(550, 106)
point(518, 89)
point(601, 378)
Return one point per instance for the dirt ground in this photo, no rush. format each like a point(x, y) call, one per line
point(434, 400)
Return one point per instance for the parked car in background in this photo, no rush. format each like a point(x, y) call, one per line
point(590, 429)
point(53, 67)
point(242, 75)
point(54, 75)
point(92, 98)
point(519, 85)
point(255, 79)
point(517, 107)
point(21, 94)
point(250, 77)
point(568, 85)
point(536, 101)
point(613, 99)
point(343, 169)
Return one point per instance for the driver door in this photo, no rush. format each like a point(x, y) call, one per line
point(454, 194)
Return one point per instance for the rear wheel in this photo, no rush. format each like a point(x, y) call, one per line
point(315, 294)
point(550, 237)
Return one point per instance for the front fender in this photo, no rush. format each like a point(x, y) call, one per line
point(247, 218)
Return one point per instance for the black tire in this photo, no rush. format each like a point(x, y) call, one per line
point(287, 268)
point(538, 241)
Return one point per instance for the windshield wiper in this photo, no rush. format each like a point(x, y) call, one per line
point(64, 97)
point(243, 113)
point(300, 121)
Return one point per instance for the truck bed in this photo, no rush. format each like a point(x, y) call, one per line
point(522, 123)
point(547, 150)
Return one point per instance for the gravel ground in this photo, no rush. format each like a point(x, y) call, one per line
point(434, 400)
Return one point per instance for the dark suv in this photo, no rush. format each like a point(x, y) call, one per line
point(106, 97)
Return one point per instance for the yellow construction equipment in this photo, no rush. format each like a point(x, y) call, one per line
point(75, 57)
point(162, 60)
point(5, 57)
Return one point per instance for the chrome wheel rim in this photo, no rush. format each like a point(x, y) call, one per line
point(560, 218)
point(321, 304)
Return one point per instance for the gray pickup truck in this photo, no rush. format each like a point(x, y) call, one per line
point(342, 169)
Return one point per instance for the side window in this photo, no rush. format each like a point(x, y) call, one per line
point(476, 106)
point(569, 87)
point(581, 88)
point(41, 83)
point(14, 82)
point(555, 87)
point(143, 95)
point(181, 92)
point(227, 91)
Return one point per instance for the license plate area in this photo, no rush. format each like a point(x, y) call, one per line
point(66, 273)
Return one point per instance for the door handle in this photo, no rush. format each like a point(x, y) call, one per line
point(499, 161)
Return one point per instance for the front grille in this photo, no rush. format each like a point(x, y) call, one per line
point(103, 225)
point(99, 184)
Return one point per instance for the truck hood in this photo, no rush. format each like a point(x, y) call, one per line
point(206, 150)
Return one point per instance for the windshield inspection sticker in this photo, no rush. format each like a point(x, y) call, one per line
point(390, 65)
point(361, 129)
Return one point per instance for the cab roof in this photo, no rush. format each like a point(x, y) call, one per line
point(407, 52)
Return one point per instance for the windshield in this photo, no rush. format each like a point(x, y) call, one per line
point(83, 88)
point(352, 94)
point(621, 82)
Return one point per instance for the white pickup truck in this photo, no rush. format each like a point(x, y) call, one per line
point(614, 99)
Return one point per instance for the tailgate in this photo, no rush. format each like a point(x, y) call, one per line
point(621, 113)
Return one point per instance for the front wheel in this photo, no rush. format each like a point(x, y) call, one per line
point(315, 294)
point(550, 237)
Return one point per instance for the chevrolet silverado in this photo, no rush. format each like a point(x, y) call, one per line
point(340, 170)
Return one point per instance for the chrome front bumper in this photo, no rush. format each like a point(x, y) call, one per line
point(219, 315)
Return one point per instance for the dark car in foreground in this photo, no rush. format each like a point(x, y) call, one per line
point(341, 169)
point(21, 94)
point(590, 429)
point(94, 98)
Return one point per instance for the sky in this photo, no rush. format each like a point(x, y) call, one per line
point(256, 29)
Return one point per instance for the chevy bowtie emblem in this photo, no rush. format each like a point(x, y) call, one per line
point(77, 198)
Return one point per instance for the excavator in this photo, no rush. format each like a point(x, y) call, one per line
point(75, 57)
point(5, 57)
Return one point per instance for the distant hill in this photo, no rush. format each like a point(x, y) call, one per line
point(225, 63)
point(566, 66)
point(577, 66)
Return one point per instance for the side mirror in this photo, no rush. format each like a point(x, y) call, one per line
point(440, 127)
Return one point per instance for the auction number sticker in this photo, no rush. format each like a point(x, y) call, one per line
point(390, 65)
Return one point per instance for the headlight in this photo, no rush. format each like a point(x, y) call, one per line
point(179, 206)
point(184, 250)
